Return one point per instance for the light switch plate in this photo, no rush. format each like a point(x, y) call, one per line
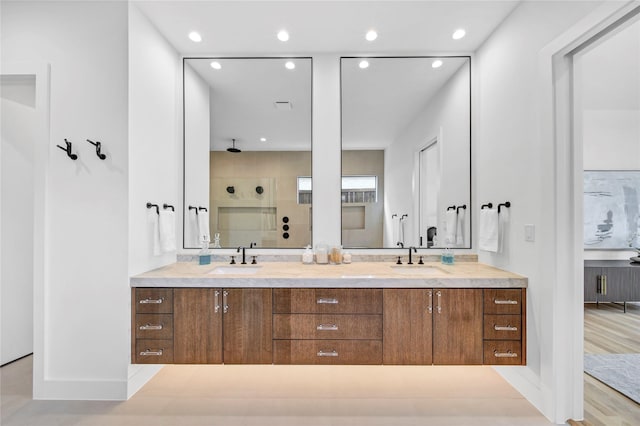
point(529, 232)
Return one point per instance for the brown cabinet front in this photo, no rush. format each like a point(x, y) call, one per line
point(322, 326)
point(503, 352)
point(198, 326)
point(154, 351)
point(247, 326)
point(327, 352)
point(327, 301)
point(154, 300)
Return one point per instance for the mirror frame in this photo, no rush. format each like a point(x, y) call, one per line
point(469, 209)
point(184, 142)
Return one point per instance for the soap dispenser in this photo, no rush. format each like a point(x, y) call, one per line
point(204, 257)
point(307, 256)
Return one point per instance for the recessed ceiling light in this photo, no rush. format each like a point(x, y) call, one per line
point(216, 65)
point(290, 65)
point(436, 64)
point(371, 35)
point(458, 34)
point(283, 35)
point(263, 139)
point(364, 64)
point(195, 37)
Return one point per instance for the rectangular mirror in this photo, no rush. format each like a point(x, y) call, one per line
point(406, 152)
point(247, 149)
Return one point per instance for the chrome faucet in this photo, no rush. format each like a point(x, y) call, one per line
point(415, 251)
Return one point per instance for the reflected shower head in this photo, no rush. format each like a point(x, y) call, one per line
point(233, 148)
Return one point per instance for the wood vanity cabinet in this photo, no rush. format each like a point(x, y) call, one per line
point(433, 326)
point(505, 326)
point(202, 326)
point(327, 326)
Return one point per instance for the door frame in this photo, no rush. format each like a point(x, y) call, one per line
point(42, 74)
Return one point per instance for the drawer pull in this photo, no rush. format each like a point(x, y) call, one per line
point(151, 301)
point(150, 352)
point(507, 354)
point(326, 301)
point(327, 327)
point(504, 328)
point(505, 302)
point(151, 327)
point(328, 353)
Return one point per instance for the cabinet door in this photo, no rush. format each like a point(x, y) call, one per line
point(457, 326)
point(247, 326)
point(197, 322)
point(591, 287)
point(617, 284)
point(407, 326)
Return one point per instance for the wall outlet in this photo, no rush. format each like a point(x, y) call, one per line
point(529, 233)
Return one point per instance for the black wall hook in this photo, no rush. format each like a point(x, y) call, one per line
point(168, 206)
point(193, 208)
point(451, 208)
point(486, 206)
point(203, 208)
point(68, 150)
point(98, 146)
point(506, 204)
point(463, 207)
point(151, 206)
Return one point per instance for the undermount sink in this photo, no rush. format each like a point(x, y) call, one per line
point(236, 270)
point(416, 270)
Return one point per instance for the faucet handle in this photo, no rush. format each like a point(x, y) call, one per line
point(233, 260)
point(253, 260)
point(399, 262)
point(420, 262)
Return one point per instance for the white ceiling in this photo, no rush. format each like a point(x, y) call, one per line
point(249, 28)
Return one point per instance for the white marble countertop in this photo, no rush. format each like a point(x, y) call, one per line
point(354, 275)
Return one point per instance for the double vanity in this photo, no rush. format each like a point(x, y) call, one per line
point(361, 313)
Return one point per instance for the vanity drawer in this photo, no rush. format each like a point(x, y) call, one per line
point(154, 351)
point(503, 352)
point(154, 326)
point(352, 352)
point(502, 327)
point(318, 326)
point(154, 300)
point(327, 300)
point(502, 301)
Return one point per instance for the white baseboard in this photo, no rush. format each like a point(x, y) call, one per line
point(139, 375)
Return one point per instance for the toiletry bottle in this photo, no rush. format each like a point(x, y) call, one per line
point(307, 256)
point(322, 255)
point(216, 240)
point(346, 257)
point(204, 257)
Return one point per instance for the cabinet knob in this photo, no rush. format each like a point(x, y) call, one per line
point(330, 327)
point(508, 327)
point(151, 352)
point(327, 301)
point(152, 301)
point(151, 327)
point(508, 354)
point(332, 352)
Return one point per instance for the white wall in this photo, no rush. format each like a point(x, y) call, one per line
point(510, 164)
point(155, 151)
point(18, 124)
point(85, 291)
point(446, 117)
point(197, 127)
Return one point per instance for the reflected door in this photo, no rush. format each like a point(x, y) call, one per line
point(429, 173)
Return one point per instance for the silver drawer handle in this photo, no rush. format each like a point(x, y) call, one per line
point(323, 300)
point(505, 302)
point(327, 327)
point(505, 328)
point(507, 354)
point(328, 353)
point(153, 301)
point(149, 352)
point(151, 327)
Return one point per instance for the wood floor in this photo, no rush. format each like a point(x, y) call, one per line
point(608, 330)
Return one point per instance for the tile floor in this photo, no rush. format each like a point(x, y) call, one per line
point(185, 395)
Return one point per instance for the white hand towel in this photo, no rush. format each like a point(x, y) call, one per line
point(167, 227)
point(503, 218)
point(203, 226)
point(450, 227)
point(489, 230)
point(155, 232)
point(460, 228)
